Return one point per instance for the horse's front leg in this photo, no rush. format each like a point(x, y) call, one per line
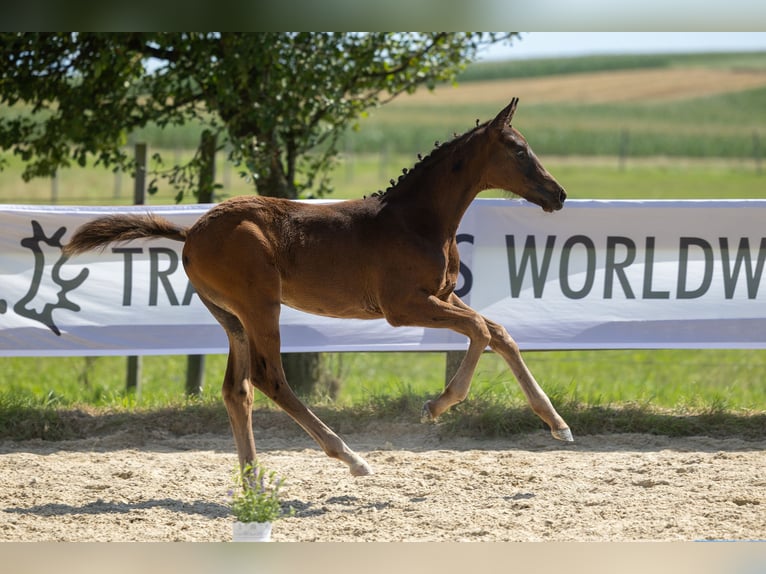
point(503, 344)
point(433, 312)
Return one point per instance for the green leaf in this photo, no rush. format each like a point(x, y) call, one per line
point(277, 99)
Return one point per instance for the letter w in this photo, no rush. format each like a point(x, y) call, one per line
point(528, 257)
point(730, 275)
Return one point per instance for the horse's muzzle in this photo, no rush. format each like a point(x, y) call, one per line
point(557, 201)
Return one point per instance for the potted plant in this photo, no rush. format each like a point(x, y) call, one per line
point(255, 503)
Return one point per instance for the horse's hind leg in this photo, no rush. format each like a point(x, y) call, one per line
point(237, 389)
point(238, 397)
point(267, 374)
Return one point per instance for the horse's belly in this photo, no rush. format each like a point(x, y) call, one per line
point(330, 303)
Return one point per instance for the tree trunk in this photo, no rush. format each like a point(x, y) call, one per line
point(303, 371)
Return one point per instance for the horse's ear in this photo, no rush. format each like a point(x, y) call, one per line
point(506, 114)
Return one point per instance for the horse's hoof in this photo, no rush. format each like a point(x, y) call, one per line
point(361, 468)
point(564, 435)
point(425, 414)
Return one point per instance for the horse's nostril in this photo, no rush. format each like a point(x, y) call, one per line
point(562, 196)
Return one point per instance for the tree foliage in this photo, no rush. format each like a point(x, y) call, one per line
point(277, 101)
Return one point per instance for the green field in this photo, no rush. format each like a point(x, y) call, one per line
point(674, 392)
point(584, 177)
point(646, 128)
point(696, 147)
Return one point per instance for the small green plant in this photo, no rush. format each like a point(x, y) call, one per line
point(255, 497)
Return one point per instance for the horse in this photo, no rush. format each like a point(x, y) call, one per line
point(391, 255)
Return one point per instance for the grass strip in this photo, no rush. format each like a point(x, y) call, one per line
point(478, 418)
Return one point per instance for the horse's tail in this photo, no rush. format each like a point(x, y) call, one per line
point(112, 228)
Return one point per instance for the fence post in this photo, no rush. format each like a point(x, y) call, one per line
point(226, 171)
point(133, 376)
point(454, 358)
point(624, 141)
point(385, 152)
point(117, 184)
point(195, 364)
point(55, 187)
point(348, 158)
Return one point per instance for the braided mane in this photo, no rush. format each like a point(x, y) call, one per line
point(439, 151)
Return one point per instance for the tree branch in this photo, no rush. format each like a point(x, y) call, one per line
point(139, 42)
point(407, 58)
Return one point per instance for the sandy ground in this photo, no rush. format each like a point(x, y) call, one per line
point(139, 485)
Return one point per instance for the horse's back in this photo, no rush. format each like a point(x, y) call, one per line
point(311, 256)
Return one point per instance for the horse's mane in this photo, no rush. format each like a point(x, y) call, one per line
point(439, 152)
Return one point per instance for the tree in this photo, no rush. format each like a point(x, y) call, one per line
point(277, 101)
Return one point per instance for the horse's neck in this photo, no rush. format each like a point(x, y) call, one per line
point(440, 194)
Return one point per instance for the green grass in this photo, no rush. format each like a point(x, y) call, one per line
point(592, 177)
point(666, 181)
point(95, 185)
point(693, 379)
point(357, 175)
point(674, 392)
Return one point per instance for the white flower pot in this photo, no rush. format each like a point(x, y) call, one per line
point(252, 532)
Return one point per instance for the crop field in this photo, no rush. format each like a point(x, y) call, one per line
point(644, 113)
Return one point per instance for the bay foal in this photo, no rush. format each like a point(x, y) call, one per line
point(392, 255)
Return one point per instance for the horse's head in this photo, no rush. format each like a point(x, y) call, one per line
point(514, 167)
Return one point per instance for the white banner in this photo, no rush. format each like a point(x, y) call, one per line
point(596, 275)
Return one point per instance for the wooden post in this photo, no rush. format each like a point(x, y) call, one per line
point(454, 358)
point(133, 377)
point(195, 375)
point(348, 159)
point(226, 176)
point(624, 141)
point(195, 364)
point(55, 187)
point(208, 144)
point(117, 184)
point(139, 188)
point(383, 173)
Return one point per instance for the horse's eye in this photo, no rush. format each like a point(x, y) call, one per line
point(521, 154)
